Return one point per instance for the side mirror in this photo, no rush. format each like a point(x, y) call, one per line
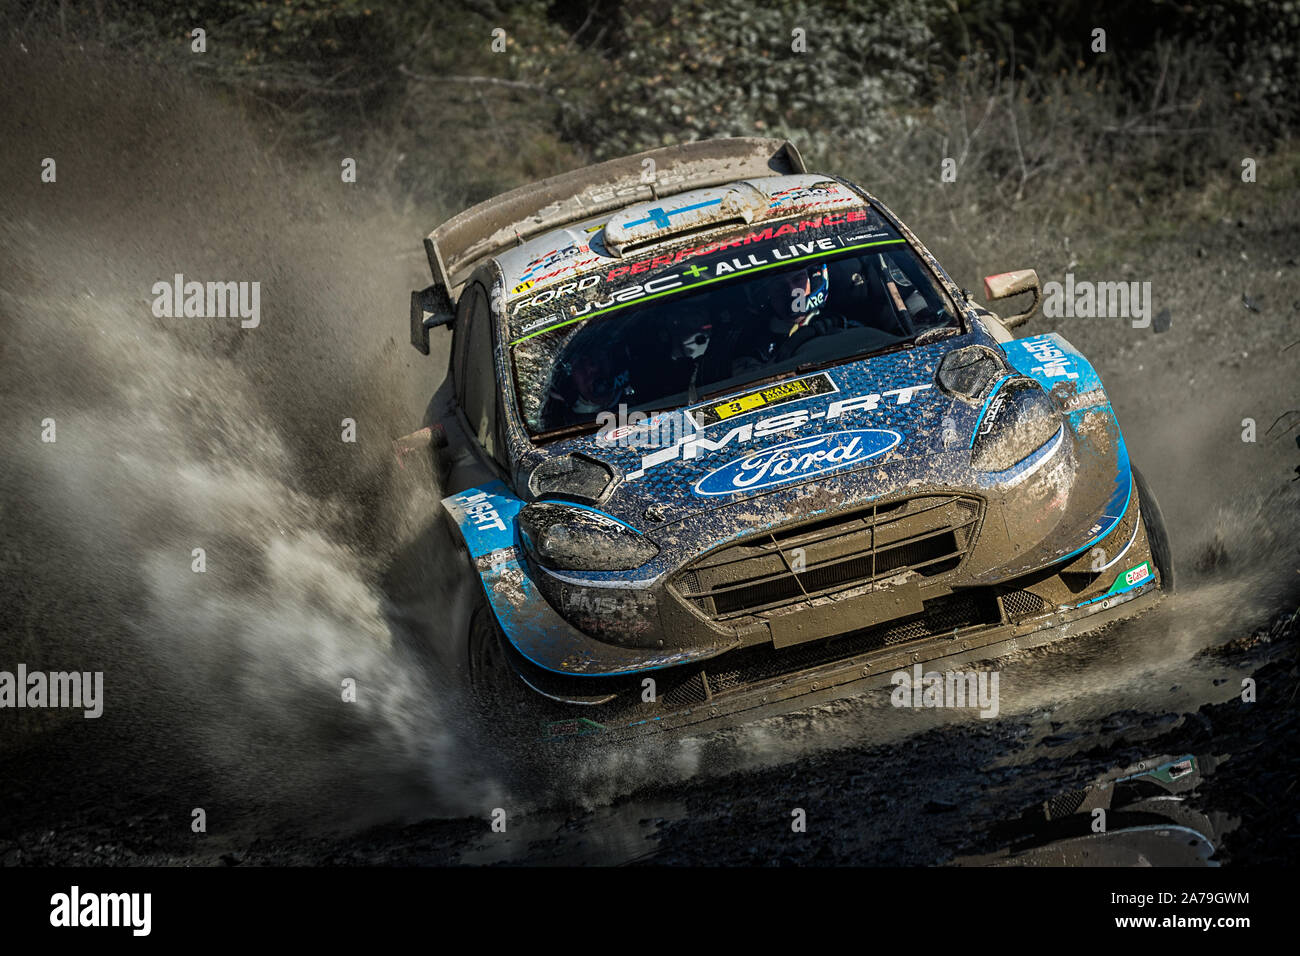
point(1013, 283)
point(430, 307)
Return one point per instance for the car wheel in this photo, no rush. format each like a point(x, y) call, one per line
point(1157, 535)
point(497, 690)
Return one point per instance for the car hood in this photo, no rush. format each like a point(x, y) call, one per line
point(807, 430)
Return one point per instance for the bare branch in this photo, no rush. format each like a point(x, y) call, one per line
point(484, 80)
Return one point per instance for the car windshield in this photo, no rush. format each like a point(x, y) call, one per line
point(685, 347)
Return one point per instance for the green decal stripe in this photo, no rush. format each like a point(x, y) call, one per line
point(1119, 584)
point(695, 285)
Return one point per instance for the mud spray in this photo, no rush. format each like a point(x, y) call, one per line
point(177, 434)
point(186, 433)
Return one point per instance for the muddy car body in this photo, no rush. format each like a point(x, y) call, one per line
point(895, 480)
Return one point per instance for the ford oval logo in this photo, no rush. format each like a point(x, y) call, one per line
point(797, 460)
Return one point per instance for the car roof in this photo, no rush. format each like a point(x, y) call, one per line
point(649, 226)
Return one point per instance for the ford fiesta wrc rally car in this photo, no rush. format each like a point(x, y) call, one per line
point(720, 436)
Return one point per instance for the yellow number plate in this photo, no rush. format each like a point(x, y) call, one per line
point(757, 399)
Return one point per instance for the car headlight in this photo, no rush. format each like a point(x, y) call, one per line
point(565, 538)
point(1019, 420)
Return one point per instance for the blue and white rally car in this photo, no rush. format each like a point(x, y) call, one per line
point(718, 434)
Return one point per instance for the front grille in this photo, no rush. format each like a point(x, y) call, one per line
point(928, 535)
point(1064, 804)
point(1022, 604)
point(687, 692)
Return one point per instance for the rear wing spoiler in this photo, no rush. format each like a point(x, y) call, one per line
point(457, 247)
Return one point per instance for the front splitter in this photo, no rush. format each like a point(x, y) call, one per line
point(861, 672)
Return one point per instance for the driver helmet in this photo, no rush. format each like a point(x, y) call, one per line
point(690, 333)
point(596, 382)
point(796, 297)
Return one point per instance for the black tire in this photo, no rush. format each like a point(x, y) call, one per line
point(486, 661)
point(1157, 534)
point(498, 692)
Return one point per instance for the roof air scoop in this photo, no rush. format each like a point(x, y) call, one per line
point(700, 210)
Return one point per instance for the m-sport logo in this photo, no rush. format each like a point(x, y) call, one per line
point(797, 460)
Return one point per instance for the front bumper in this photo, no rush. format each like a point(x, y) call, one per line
point(751, 685)
point(954, 626)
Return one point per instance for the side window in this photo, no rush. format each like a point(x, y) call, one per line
point(479, 386)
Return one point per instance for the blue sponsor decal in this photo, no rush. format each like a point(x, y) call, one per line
point(485, 516)
point(659, 215)
point(1050, 359)
point(797, 460)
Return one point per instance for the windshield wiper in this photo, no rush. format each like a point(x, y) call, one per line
point(748, 383)
point(928, 336)
point(797, 370)
point(581, 428)
point(841, 360)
